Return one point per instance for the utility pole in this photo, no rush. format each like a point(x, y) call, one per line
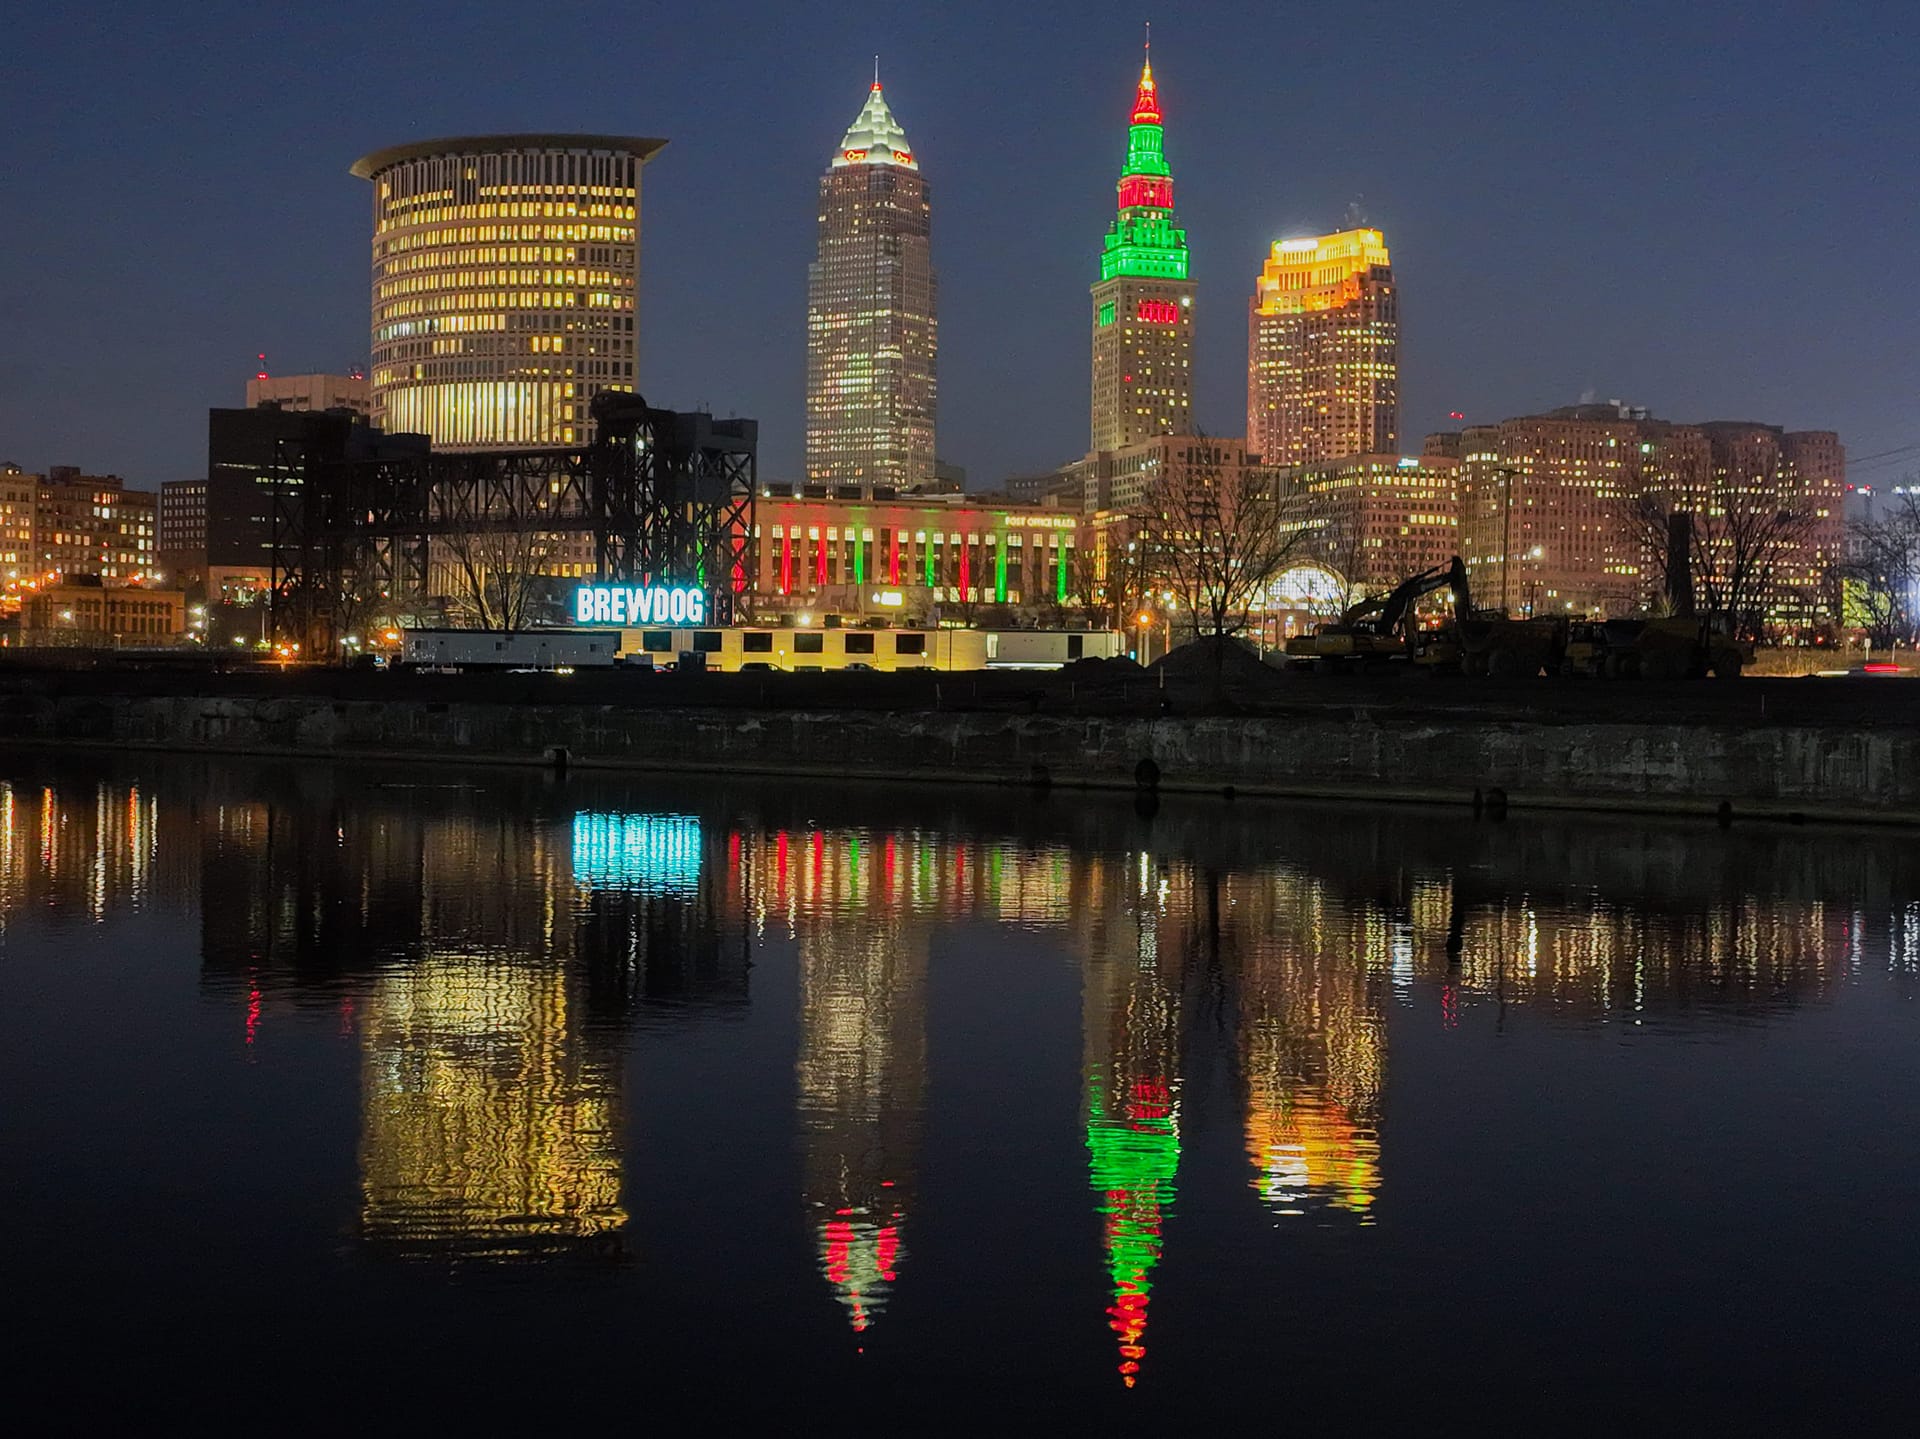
point(1506, 530)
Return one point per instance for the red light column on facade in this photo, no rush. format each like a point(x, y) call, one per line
point(966, 569)
point(820, 562)
point(786, 564)
point(1155, 191)
point(893, 560)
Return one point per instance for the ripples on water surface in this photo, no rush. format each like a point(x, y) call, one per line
point(613, 1096)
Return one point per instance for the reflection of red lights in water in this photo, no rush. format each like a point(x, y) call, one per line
point(1131, 1224)
point(253, 1005)
point(839, 1237)
point(780, 861)
point(1151, 1100)
point(1449, 1007)
point(846, 1242)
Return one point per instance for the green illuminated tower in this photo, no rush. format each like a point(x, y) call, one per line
point(1143, 301)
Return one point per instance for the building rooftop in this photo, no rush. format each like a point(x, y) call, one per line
point(367, 166)
point(875, 137)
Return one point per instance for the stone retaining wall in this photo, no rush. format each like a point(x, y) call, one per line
point(1362, 752)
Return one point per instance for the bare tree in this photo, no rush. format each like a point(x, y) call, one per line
point(1746, 550)
point(494, 577)
point(1108, 576)
point(1881, 577)
point(1334, 541)
point(1218, 536)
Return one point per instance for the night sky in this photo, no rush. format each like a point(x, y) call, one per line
point(1708, 209)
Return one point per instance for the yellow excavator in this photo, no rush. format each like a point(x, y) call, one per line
point(1380, 629)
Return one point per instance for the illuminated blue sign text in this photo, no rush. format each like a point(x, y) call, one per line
point(639, 605)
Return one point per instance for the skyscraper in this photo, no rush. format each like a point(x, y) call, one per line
point(872, 335)
point(504, 282)
point(1143, 301)
point(1323, 351)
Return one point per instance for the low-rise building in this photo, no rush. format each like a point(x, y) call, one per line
point(311, 392)
point(75, 613)
point(93, 525)
point(911, 558)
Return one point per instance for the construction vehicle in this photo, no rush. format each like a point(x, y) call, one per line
point(1383, 630)
point(1380, 629)
point(1500, 647)
point(1678, 645)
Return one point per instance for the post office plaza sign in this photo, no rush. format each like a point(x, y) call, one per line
point(639, 605)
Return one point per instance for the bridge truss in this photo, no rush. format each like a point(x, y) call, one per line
point(665, 497)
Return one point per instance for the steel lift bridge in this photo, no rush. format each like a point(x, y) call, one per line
point(666, 495)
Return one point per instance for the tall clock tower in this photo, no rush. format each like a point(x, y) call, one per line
point(1143, 300)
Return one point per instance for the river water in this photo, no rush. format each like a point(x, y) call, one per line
point(462, 1094)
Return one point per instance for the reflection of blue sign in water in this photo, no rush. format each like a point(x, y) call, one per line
point(639, 605)
point(637, 851)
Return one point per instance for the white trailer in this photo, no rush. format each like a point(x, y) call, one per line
point(518, 650)
point(1049, 649)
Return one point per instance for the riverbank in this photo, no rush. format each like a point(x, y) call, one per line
point(1328, 742)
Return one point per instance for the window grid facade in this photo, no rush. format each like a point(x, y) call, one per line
point(872, 324)
point(1323, 351)
point(505, 281)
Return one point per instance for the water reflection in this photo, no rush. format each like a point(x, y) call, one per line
point(494, 952)
point(1131, 1024)
point(491, 1126)
point(862, 1083)
point(1312, 1026)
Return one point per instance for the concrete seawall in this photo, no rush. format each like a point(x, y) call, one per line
point(1359, 751)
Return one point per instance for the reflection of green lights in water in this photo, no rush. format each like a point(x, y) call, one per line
point(1133, 1159)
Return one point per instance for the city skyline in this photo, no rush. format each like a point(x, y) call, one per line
point(1584, 300)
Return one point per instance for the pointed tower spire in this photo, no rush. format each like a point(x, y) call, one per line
point(1146, 104)
point(875, 137)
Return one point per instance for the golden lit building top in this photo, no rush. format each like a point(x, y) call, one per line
point(1322, 273)
point(1323, 350)
point(505, 272)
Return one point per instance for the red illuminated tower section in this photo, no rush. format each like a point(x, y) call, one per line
point(1143, 301)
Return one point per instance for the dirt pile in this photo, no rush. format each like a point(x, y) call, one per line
point(1231, 661)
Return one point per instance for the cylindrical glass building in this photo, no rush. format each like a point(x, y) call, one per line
point(504, 284)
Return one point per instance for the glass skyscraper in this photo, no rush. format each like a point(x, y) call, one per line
point(872, 335)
